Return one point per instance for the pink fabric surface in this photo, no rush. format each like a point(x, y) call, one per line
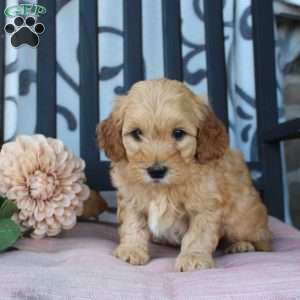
point(79, 265)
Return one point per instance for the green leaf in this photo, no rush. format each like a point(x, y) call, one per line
point(2, 200)
point(9, 233)
point(7, 209)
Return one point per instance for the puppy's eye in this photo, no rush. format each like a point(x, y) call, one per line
point(178, 134)
point(136, 134)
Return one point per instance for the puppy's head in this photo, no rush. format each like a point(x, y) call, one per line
point(160, 129)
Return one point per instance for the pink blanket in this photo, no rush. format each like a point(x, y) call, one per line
point(79, 265)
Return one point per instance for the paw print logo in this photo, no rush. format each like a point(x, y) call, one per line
point(24, 31)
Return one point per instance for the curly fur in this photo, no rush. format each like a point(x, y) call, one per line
point(109, 135)
point(212, 139)
point(207, 195)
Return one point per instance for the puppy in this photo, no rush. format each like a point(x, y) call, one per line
point(177, 180)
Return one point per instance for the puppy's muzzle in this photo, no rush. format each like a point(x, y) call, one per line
point(157, 171)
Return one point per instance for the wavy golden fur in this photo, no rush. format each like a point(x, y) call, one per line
point(205, 192)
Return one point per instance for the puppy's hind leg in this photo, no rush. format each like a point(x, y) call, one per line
point(261, 237)
point(247, 235)
point(260, 240)
point(249, 246)
point(264, 245)
point(241, 246)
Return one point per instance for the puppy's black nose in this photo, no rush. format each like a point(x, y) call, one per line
point(157, 171)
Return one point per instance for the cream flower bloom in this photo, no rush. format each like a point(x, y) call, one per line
point(46, 181)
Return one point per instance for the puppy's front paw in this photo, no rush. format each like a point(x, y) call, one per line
point(191, 262)
point(132, 255)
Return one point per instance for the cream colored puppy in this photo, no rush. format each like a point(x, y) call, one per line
point(177, 180)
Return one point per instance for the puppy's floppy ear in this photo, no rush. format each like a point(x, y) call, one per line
point(109, 135)
point(212, 138)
